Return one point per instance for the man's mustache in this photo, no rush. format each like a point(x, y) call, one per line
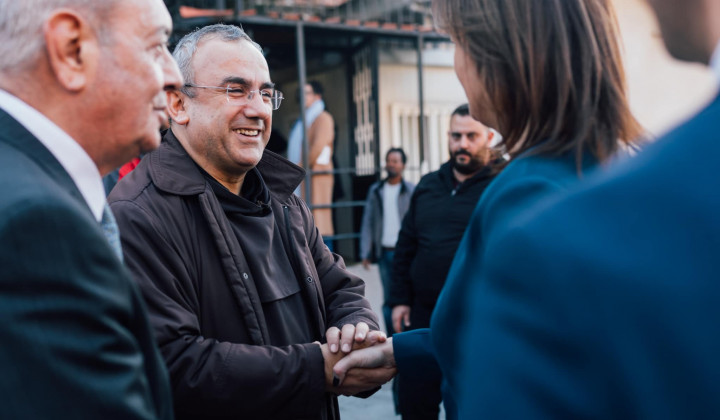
point(462, 152)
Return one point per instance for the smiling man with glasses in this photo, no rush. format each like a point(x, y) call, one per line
point(240, 287)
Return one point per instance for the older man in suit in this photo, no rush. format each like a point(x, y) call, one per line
point(81, 91)
point(605, 305)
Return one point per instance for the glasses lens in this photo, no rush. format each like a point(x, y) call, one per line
point(239, 96)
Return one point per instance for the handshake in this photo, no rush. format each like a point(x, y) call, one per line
point(357, 359)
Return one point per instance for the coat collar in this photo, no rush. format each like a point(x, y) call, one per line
point(172, 170)
point(403, 185)
point(16, 135)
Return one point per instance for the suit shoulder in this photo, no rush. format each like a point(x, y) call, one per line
point(25, 186)
point(133, 184)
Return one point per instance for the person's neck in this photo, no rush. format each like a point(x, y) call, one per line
point(394, 180)
point(234, 185)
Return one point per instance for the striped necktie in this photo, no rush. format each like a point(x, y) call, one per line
point(110, 229)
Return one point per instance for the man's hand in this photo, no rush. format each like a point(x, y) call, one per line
point(400, 314)
point(350, 335)
point(368, 365)
point(366, 263)
point(358, 379)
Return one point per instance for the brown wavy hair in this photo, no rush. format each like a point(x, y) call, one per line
point(552, 69)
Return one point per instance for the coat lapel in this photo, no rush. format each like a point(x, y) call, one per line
point(14, 134)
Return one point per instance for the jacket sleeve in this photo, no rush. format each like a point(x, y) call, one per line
point(401, 290)
point(366, 230)
point(69, 345)
point(322, 134)
point(212, 377)
point(343, 292)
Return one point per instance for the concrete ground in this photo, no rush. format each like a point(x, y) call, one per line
point(380, 405)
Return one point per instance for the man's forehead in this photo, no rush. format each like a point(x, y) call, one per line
point(466, 124)
point(231, 59)
point(240, 49)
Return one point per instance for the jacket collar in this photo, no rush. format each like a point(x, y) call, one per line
point(16, 135)
point(172, 170)
point(403, 185)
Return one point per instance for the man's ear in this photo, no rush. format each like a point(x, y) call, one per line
point(72, 49)
point(491, 135)
point(176, 107)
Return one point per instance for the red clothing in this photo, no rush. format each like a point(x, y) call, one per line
point(127, 168)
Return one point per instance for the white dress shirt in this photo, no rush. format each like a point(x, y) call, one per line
point(391, 214)
point(67, 151)
point(715, 61)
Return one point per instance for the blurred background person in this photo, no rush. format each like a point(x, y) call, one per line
point(440, 208)
point(387, 202)
point(321, 138)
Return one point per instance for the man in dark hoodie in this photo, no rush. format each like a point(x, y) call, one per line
point(240, 288)
point(440, 209)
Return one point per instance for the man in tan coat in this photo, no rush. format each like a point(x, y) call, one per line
point(321, 135)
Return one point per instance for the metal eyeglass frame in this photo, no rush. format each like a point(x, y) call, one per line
point(275, 99)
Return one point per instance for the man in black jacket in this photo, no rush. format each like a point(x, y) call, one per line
point(431, 231)
point(240, 287)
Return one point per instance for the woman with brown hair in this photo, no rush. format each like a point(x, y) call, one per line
point(548, 75)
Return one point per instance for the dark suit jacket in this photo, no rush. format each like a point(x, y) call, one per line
point(606, 304)
point(74, 339)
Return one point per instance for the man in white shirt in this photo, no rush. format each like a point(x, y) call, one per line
point(387, 202)
point(82, 90)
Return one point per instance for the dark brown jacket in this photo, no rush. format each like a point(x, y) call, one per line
point(202, 299)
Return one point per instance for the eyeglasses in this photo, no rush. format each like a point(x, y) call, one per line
point(241, 96)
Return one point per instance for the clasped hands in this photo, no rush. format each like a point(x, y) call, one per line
point(357, 359)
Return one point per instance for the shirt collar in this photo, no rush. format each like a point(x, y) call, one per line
point(715, 61)
point(64, 148)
